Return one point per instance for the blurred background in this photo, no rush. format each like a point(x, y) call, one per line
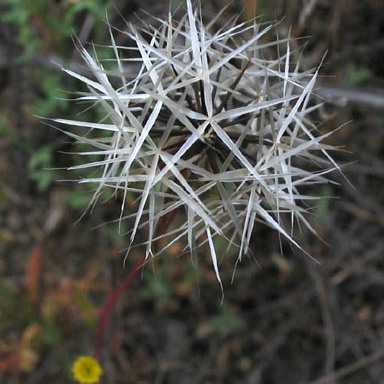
point(284, 319)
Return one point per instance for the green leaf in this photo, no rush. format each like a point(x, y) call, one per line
point(157, 286)
point(87, 307)
point(225, 321)
point(53, 96)
point(78, 199)
point(356, 75)
point(322, 205)
point(38, 166)
point(50, 332)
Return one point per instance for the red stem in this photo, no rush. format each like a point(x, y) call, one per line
point(113, 296)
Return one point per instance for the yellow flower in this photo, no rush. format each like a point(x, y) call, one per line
point(87, 370)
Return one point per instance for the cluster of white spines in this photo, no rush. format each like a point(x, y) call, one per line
point(207, 124)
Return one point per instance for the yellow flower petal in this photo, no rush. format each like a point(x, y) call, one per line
point(87, 370)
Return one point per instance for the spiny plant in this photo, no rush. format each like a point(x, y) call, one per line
point(209, 124)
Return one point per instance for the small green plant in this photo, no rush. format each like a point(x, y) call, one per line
point(355, 75)
point(157, 286)
point(43, 30)
point(15, 312)
point(42, 22)
point(225, 321)
point(38, 167)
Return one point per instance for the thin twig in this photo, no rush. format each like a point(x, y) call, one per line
point(327, 319)
point(351, 368)
point(374, 99)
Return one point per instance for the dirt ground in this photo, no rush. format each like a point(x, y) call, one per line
point(284, 319)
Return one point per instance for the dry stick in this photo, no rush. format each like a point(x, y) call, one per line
point(111, 300)
point(306, 13)
point(360, 364)
point(202, 98)
point(217, 79)
point(326, 315)
point(373, 99)
point(232, 87)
